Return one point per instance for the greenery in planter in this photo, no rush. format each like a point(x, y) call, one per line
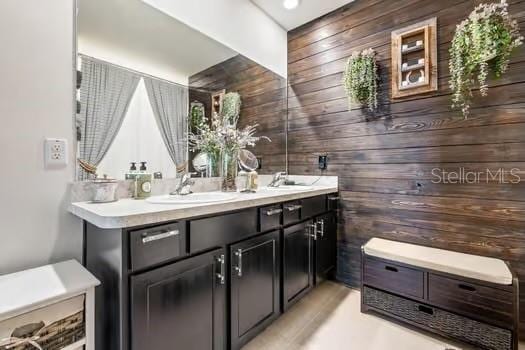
point(360, 79)
point(231, 107)
point(482, 43)
point(197, 114)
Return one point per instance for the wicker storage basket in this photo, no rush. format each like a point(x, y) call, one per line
point(51, 328)
point(480, 334)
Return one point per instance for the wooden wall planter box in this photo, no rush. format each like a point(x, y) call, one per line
point(414, 59)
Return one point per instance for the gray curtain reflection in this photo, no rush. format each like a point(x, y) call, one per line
point(170, 107)
point(105, 95)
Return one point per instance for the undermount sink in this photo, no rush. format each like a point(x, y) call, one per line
point(289, 188)
point(193, 198)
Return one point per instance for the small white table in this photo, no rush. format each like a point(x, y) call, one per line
point(44, 295)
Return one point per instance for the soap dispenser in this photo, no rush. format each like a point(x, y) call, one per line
point(132, 173)
point(142, 182)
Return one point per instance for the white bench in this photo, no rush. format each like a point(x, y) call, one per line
point(462, 296)
point(471, 266)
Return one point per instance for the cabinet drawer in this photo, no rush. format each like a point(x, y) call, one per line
point(482, 302)
point(221, 230)
point(393, 278)
point(333, 201)
point(313, 206)
point(270, 217)
point(157, 244)
point(291, 212)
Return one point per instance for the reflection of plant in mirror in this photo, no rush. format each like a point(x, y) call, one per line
point(197, 114)
point(482, 42)
point(360, 79)
point(231, 107)
point(205, 139)
point(223, 137)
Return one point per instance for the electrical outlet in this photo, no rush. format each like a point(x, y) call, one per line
point(55, 153)
point(323, 162)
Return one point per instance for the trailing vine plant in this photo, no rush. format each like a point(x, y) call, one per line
point(197, 114)
point(482, 43)
point(360, 79)
point(231, 107)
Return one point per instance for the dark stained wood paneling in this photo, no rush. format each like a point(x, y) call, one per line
point(385, 159)
point(263, 94)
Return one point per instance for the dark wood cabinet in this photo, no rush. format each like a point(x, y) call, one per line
point(325, 246)
point(298, 262)
point(211, 282)
point(255, 279)
point(181, 305)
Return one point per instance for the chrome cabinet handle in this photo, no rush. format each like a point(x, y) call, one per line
point(334, 198)
point(309, 229)
point(293, 207)
point(146, 238)
point(238, 268)
point(321, 225)
point(221, 275)
point(273, 212)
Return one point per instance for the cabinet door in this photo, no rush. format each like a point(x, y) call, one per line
point(298, 262)
point(180, 306)
point(325, 246)
point(255, 279)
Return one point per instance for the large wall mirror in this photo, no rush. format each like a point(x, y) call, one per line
point(141, 73)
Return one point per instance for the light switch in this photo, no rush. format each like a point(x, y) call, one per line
point(55, 153)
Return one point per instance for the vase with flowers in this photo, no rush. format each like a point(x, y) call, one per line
point(224, 137)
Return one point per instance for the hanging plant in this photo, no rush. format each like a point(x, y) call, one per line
point(197, 114)
point(231, 107)
point(360, 79)
point(482, 43)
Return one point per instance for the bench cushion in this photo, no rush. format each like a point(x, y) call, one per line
point(471, 266)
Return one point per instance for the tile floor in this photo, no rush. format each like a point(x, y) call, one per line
point(329, 319)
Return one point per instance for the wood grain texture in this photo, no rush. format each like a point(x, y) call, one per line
point(263, 94)
point(385, 160)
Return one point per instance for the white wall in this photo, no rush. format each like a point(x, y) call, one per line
point(238, 24)
point(118, 56)
point(138, 139)
point(36, 84)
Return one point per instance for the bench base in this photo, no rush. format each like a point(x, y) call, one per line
point(477, 312)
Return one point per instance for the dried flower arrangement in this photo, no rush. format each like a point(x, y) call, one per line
point(225, 139)
point(483, 42)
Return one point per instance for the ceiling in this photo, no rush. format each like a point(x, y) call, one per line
point(137, 32)
point(306, 11)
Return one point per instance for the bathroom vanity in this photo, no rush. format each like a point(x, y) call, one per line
point(207, 276)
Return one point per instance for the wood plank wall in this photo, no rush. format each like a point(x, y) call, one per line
point(385, 160)
point(263, 94)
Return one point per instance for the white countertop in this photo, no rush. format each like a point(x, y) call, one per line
point(129, 212)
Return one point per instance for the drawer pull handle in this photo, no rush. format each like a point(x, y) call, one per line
point(221, 275)
point(311, 231)
point(146, 238)
point(391, 268)
point(425, 309)
point(320, 222)
point(333, 198)
point(293, 207)
point(238, 268)
point(273, 212)
point(467, 287)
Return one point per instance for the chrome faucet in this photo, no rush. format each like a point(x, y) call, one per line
point(184, 186)
point(278, 179)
